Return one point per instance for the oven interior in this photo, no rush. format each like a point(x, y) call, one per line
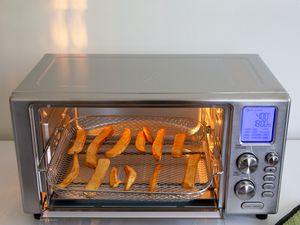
point(204, 134)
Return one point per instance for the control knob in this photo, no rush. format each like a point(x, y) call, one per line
point(247, 163)
point(245, 190)
point(272, 158)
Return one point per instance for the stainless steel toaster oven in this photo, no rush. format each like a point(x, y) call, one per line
point(152, 136)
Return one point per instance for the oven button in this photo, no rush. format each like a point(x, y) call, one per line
point(270, 169)
point(247, 163)
point(269, 178)
point(252, 205)
point(245, 190)
point(267, 194)
point(268, 186)
point(272, 158)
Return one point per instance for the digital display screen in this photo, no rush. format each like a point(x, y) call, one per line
point(258, 124)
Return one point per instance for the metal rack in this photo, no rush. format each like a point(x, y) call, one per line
point(168, 187)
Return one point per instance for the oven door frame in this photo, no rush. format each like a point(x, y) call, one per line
point(190, 212)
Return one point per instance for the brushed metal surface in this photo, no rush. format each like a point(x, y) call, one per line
point(138, 215)
point(260, 150)
point(150, 74)
point(26, 157)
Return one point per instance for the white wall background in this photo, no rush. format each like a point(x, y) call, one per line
point(30, 28)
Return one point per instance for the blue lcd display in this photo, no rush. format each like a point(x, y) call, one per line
point(258, 124)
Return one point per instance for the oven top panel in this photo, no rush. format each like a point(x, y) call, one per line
point(151, 74)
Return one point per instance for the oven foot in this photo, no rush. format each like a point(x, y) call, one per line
point(262, 216)
point(37, 216)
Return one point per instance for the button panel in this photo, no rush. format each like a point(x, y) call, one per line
point(269, 177)
point(263, 177)
point(267, 194)
point(252, 205)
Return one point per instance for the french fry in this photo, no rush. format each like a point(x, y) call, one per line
point(190, 171)
point(121, 145)
point(97, 177)
point(72, 174)
point(178, 145)
point(130, 177)
point(78, 143)
point(140, 142)
point(154, 177)
point(113, 178)
point(91, 158)
point(158, 144)
point(148, 135)
point(94, 131)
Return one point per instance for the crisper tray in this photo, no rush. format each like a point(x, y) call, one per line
point(172, 169)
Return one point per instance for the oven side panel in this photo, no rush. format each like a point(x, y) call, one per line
point(25, 156)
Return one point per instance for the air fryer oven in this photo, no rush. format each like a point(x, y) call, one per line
point(230, 108)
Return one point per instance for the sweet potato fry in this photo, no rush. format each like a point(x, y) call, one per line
point(98, 177)
point(140, 142)
point(121, 145)
point(78, 143)
point(130, 177)
point(91, 158)
point(154, 177)
point(94, 131)
point(178, 145)
point(72, 174)
point(158, 144)
point(148, 135)
point(190, 171)
point(113, 178)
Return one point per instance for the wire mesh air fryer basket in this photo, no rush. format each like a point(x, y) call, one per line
point(168, 186)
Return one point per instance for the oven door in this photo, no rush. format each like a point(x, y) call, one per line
point(205, 130)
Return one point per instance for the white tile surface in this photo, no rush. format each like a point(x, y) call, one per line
point(11, 209)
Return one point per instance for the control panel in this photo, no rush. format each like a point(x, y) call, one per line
point(247, 163)
point(256, 178)
point(257, 146)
